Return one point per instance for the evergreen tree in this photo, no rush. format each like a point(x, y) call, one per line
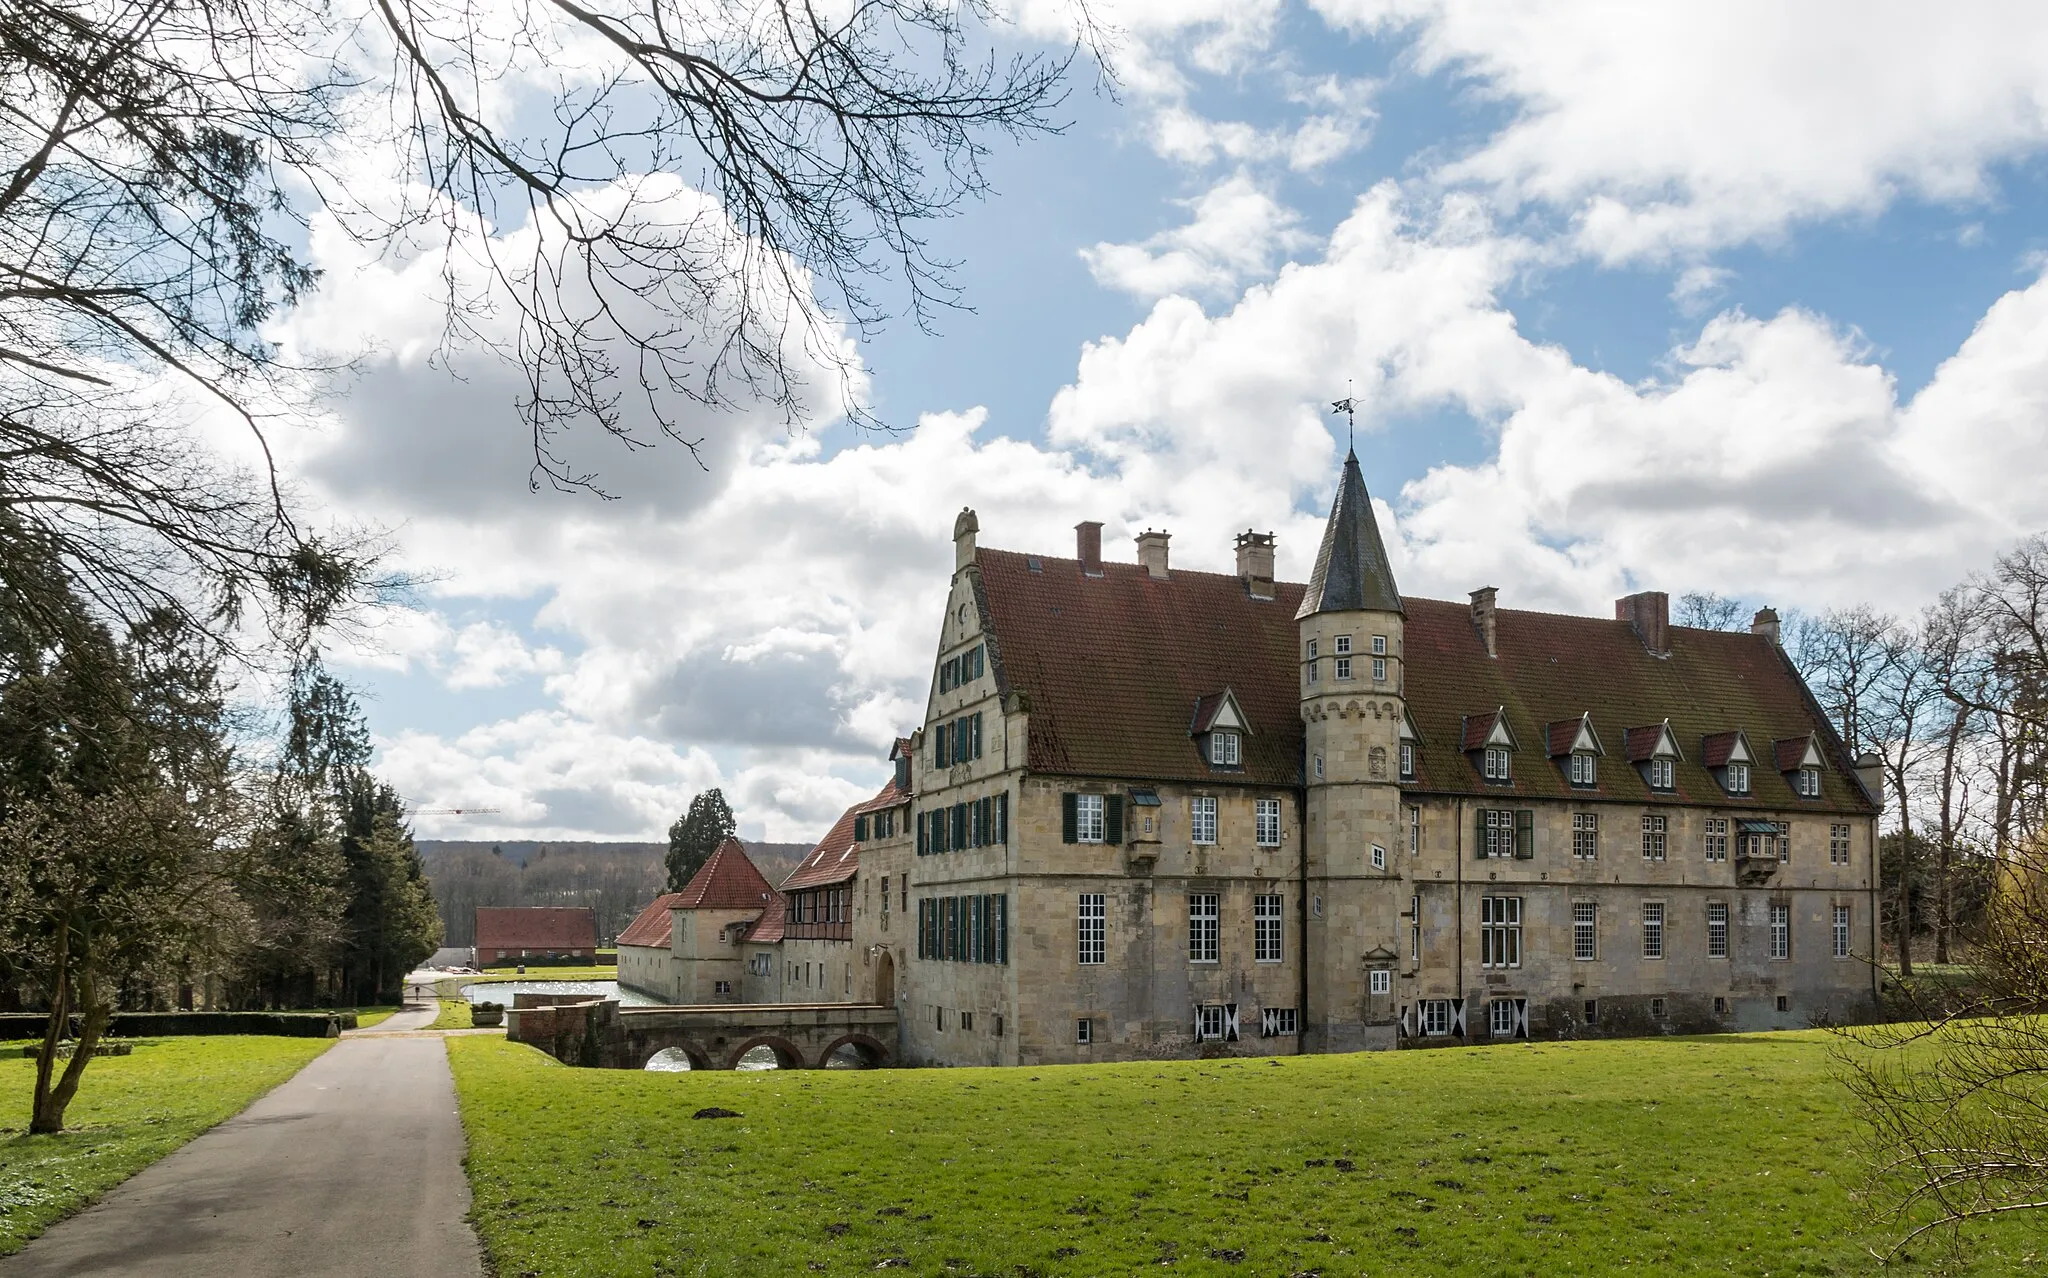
point(696, 835)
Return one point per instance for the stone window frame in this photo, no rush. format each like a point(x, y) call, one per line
point(1655, 915)
point(1203, 820)
point(1205, 919)
point(1269, 943)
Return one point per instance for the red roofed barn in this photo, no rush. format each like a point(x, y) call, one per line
point(535, 934)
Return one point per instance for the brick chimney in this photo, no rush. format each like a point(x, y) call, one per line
point(1483, 617)
point(1152, 552)
point(964, 529)
point(1255, 563)
point(1765, 623)
point(1649, 611)
point(1088, 546)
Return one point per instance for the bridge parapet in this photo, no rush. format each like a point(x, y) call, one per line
point(802, 1035)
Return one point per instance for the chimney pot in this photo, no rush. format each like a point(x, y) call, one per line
point(1255, 563)
point(1765, 623)
point(964, 529)
point(1649, 611)
point(1088, 546)
point(1152, 552)
point(1483, 617)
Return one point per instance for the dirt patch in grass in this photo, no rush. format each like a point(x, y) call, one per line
point(1730, 1154)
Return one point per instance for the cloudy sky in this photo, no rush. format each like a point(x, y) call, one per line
point(1745, 298)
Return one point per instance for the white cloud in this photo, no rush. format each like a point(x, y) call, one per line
point(1237, 231)
point(1662, 129)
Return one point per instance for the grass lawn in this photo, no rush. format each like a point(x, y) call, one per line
point(130, 1111)
point(454, 1014)
point(1732, 1154)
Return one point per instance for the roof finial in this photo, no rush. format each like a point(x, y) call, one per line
point(1346, 406)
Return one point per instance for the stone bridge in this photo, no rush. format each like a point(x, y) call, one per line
point(601, 1033)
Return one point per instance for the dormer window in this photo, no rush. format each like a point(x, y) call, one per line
point(1585, 769)
point(1728, 756)
point(1663, 774)
point(1736, 778)
point(1223, 749)
point(1494, 763)
point(1799, 758)
point(1808, 783)
point(1343, 645)
point(1489, 743)
point(1576, 747)
point(1654, 749)
point(1218, 729)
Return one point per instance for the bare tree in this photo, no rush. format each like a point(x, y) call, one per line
point(1709, 611)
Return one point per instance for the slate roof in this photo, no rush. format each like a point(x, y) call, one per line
point(650, 927)
point(535, 927)
point(1111, 666)
point(1108, 668)
point(728, 881)
point(1351, 569)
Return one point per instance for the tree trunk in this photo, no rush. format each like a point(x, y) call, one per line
point(44, 1120)
point(1904, 921)
point(1944, 853)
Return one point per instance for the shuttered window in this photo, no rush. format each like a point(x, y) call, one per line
point(1092, 818)
point(1504, 833)
point(964, 929)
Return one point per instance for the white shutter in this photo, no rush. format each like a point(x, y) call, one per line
point(1198, 1022)
point(1230, 1022)
point(1522, 1017)
point(1457, 1016)
point(1407, 1030)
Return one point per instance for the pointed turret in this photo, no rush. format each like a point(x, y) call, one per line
point(1352, 573)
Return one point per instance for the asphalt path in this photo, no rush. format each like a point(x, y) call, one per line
point(353, 1167)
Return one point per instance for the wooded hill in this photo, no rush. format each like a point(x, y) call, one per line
point(616, 880)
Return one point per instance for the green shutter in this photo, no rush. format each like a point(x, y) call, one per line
point(1069, 822)
point(860, 829)
point(1525, 835)
point(1003, 819)
point(923, 848)
point(941, 747)
point(1113, 819)
point(1479, 838)
point(977, 734)
point(1002, 927)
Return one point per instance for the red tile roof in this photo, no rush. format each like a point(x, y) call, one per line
point(1790, 751)
point(650, 926)
point(728, 881)
point(1640, 744)
point(890, 797)
point(767, 929)
point(837, 857)
point(1109, 667)
point(1716, 748)
point(535, 927)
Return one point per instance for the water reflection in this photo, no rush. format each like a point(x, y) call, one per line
point(502, 991)
point(669, 1060)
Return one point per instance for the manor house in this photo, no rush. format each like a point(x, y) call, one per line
point(1161, 813)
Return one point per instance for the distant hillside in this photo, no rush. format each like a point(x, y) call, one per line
point(614, 879)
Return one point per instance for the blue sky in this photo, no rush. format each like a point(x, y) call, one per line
point(1741, 298)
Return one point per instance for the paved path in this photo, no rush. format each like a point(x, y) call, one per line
point(354, 1167)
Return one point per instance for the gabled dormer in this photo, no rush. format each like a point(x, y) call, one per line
point(1219, 728)
point(1654, 752)
point(1799, 758)
point(1727, 755)
point(1411, 744)
point(1490, 743)
point(1576, 749)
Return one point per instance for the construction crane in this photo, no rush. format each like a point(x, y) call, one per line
point(452, 811)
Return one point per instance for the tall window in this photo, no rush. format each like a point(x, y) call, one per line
point(1841, 931)
point(1415, 929)
point(1717, 838)
point(1223, 750)
point(1838, 845)
point(1414, 828)
point(1203, 823)
point(1379, 645)
point(1586, 835)
point(1343, 665)
point(1311, 667)
point(1500, 931)
point(1494, 764)
point(1500, 832)
point(1202, 916)
point(1088, 818)
point(1266, 929)
point(1585, 930)
point(1653, 929)
point(1266, 820)
point(1585, 769)
point(1738, 778)
point(1781, 931)
point(1717, 929)
point(1093, 922)
point(1379, 669)
point(1663, 774)
point(1407, 760)
point(1654, 831)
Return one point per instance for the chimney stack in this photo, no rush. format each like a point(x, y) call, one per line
point(964, 529)
point(1649, 611)
point(1088, 546)
point(1152, 553)
point(1765, 623)
point(1255, 563)
point(1483, 618)
point(1870, 775)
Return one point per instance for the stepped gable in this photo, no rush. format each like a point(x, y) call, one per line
point(1351, 572)
point(650, 926)
point(1553, 667)
point(728, 881)
point(837, 857)
point(1110, 668)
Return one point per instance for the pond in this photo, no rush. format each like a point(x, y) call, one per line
point(502, 991)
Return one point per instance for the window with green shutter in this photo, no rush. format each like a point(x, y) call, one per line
point(1003, 819)
point(1069, 821)
point(860, 829)
point(1525, 834)
point(1113, 819)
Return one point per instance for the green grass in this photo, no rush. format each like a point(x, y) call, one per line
point(129, 1112)
point(1731, 1155)
point(454, 1014)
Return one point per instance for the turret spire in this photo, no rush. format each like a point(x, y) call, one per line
point(1352, 573)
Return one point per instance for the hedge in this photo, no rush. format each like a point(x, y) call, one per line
point(19, 1025)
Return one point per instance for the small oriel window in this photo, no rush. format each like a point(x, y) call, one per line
point(1343, 645)
point(1494, 763)
point(1585, 769)
point(1223, 749)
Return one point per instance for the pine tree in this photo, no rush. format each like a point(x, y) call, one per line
point(696, 835)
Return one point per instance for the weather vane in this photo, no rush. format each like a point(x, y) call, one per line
point(1350, 411)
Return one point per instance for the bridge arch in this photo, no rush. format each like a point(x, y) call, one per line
point(697, 1056)
point(869, 1049)
point(786, 1054)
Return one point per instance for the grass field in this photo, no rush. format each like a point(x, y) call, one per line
point(130, 1111)
point(1727, 1155)
point(454, 1014)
